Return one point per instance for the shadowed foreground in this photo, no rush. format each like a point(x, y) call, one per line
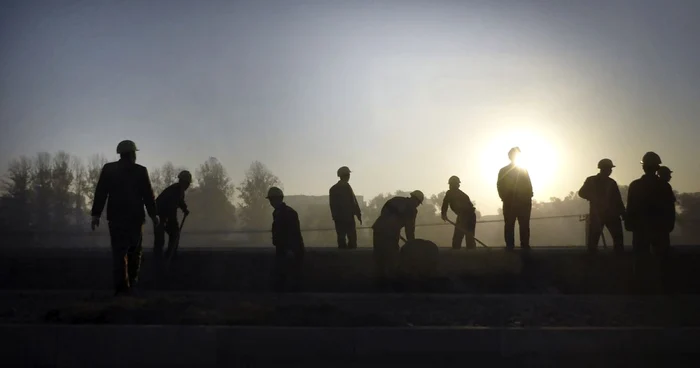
point(212, 309)
point(481, 271)
point(220, 329)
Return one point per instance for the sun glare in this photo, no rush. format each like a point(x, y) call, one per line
point(538, 156)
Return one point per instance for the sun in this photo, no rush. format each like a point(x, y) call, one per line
point(538, 155)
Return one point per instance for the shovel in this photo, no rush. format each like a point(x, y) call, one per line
point(467, 232)
point(177, 243)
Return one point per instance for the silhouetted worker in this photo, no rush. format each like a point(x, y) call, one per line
point(670, 211)
point(167, 203)
point(463, 207)
point(515, 189)
point(344, 209)
point(606, 206)
point(648, 204)
point(397, 213)
point(128, 188)
point(287, 239)
point(665, 173)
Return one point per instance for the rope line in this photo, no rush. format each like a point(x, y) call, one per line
point(249, 231)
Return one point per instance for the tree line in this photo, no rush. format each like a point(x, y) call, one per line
point(54, 192)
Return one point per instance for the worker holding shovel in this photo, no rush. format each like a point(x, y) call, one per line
point(167, 203)
point(397, 213)
point(462, 206)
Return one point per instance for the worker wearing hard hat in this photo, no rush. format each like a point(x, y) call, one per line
point(127, 187)
point(287, 239)
point(344, 209)
point(648, 203)
point(664, 174)
point(606, 206)
point(172, 198)
point(462, 206)
point(397, 213)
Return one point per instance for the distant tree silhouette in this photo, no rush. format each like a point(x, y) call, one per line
point(41, 180)
point(61, 181)
point(79, 191)
point(94, 168)
point(689, 217)
point(210, 201)
point(18, 191)
point(212, 175)
point(255, 211)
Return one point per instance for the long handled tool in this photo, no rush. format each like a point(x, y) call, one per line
point(467, 233)
point(177, 241)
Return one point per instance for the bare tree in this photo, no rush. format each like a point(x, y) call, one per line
point(169, 174)
point(61, 182)
point(253, 190)
point(80, 189)
point(157, 182)
point(95, 164)
point(42, 190)
point(18, 191)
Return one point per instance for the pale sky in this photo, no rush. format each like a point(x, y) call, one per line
point(405, 93)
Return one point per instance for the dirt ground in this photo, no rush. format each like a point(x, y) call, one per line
point(348, 310)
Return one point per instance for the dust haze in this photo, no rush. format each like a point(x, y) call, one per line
point(249, 95)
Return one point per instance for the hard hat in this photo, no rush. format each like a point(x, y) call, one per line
point(513, 151)
point(417, 194)
point(274, 192)
point(453, 180)
point(664, 170)
point(343, 171)
point(185, 176)
point(126, 146)
point(651, 158)
point(605, 163)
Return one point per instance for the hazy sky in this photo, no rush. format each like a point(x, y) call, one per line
point(406, 93)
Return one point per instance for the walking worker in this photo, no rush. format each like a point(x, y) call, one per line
point(127, 187)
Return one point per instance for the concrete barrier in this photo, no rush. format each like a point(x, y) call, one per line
point(209, 346)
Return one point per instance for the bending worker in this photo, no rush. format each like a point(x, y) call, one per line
point(287, 239)
point(172, 198)
point(397, 213)
point(462, 206)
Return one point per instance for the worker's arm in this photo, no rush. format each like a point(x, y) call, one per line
point(528, 184)
point(445, 205)
point(586, 189)
point(181, 202)
point(411, 226)
point(670, 207)
point(148, 197)
point(101, 193)
point(632, 205)
point(619, 205)
point(333, 202)
point(356, 210)
point(500, 185)
point(294, 229)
